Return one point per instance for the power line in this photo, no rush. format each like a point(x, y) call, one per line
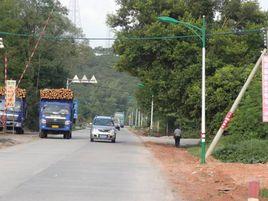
point(51, 37)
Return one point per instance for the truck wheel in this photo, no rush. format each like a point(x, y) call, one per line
point(68, 135)
point(113, 141)
point(18, 131)
point(42, 134)
point(91, 140)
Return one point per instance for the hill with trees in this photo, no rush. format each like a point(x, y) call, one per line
point(111, 94)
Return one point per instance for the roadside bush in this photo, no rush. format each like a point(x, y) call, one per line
point(249, 151)
point(247, 122)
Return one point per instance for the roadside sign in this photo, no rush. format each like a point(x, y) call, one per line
point(1, 43)
point(84, 80)
point(10, 93)
point(93, 80)
point(76, 79)
point(265, 88)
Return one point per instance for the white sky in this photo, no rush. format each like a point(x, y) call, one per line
point(93, 17)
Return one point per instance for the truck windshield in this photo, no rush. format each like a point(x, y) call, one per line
point(17, 107)
point(63, 109)
point(103, 122)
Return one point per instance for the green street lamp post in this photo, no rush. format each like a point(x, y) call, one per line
point(201, 33)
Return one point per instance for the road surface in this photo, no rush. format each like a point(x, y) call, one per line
point(57, 169)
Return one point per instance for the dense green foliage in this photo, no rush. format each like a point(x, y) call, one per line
point(171, 68)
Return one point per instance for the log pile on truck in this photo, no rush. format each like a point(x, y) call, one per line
point(56, 94)
point(20, 93)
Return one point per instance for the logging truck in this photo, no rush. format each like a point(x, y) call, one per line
point(13, 117)
point(56, 112)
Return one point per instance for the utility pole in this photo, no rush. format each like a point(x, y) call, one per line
point(139, 119)
point(152, 115)
point(38, 74)
point(265, 36)
point(136, 118)
point(5, 113)
point(234, 106)
point(229, 115)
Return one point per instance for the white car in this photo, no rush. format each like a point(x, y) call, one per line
point(103, 128)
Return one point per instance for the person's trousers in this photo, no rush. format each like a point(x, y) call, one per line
point(177, 141)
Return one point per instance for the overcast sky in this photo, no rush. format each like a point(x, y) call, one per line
point(93, 17)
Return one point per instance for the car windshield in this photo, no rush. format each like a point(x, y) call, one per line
point(17, 107)
point(56, 109)
point(103, 122)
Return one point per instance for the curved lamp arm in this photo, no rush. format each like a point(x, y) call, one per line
point(193, 28)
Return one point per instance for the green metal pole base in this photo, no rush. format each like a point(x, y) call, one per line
point(203, 151)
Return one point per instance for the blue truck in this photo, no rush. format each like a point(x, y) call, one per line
point(56, 112)
point(15, 116)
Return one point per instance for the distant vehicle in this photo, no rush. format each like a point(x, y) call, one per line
point(117, 124)
point(103, 129)
point(121, 117)
point(56, 113)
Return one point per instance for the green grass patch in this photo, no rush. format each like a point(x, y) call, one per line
point(264, 193)
point(195, 151)
point(248, 151)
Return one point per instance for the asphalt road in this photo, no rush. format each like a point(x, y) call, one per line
point(56, 169)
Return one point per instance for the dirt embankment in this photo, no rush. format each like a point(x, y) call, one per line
point(214, 181)
point(7, 140)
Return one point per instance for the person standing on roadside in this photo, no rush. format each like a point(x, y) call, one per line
point(177, 136)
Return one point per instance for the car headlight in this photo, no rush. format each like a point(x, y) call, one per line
point(18, 124)
point(112, 132)
point(94, 131)
point(67, 123)
point(43, 121)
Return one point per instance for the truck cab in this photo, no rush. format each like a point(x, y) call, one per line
point(56, 117)
point(15, 116)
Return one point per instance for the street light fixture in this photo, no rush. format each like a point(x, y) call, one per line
point(201, 34)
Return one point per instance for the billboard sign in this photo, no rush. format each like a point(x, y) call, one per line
point(10, 93)
point(265, 88)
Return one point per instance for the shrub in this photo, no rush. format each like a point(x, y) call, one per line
point(249, 151)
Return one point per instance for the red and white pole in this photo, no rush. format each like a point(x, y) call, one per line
point(5, 109)
point(253, 190)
